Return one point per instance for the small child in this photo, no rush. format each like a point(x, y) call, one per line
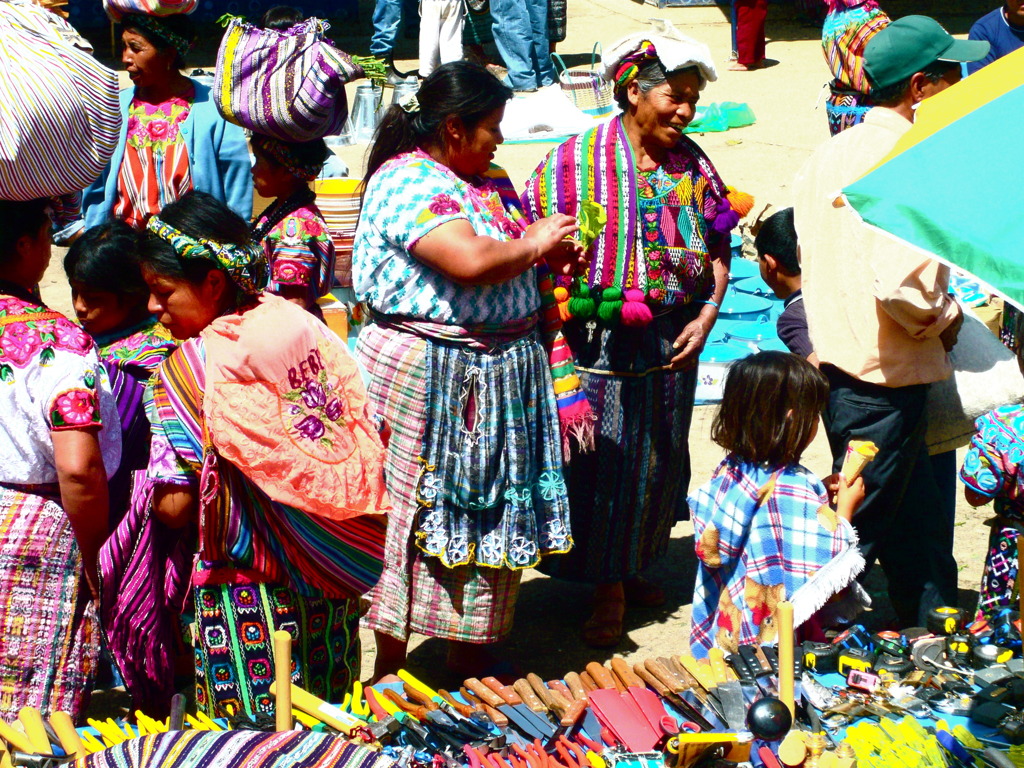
point(993, 469)
point(293, 231)
point(111, 298)
point(111, 301)
point(763, 527)
point(778, 258)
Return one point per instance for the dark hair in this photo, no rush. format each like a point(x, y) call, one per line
point(282, 17)
point(178, 23)
point(777, 236)
point(106, 258)
point(17, 219)
point(650, 75)
point(770, 407)
point(459, 89)
point(893, 94)
point(196, 214)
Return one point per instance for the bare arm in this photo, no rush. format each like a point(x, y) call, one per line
point(174, 505)
point(457, 252)
point(84, 495)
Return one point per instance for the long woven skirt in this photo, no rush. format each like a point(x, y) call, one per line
point(49, 635)
point(416, 593)
point(235, 645)
point(625, 496)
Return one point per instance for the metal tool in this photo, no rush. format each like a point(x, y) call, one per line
point(590, 722)
point(729, 691)
point(509, 704)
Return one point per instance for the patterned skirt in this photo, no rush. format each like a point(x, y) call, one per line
point(999, 588)
point(49, 636)
point(235, 646)
point(238, 749)
point(416, 593)
point(625, 496)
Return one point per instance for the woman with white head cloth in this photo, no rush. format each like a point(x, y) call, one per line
point(638, 320)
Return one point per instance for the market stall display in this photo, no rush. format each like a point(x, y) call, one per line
point(948, 694)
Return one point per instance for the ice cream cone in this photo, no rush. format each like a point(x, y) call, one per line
point(859, 453)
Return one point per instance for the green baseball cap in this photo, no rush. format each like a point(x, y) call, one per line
point(910, 44)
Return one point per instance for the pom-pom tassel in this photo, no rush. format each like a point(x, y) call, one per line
point(581, 303)
point(741, 202)
point(635, 313)
point(726, 218)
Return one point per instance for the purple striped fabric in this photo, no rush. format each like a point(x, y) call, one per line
point(289, 85)
point(144, 577)
point(59, 115)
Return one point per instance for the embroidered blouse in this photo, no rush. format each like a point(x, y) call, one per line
point(155, 170)
point(408, 197)
point(50, 380)
point(301, 252)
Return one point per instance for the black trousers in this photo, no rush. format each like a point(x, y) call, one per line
point(905, 523)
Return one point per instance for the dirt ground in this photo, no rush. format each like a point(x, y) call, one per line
point(761, 159)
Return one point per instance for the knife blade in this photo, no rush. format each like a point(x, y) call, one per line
point(543, 726)
point(620, 712)
point(703, 679)
point(519, 716)
point(590, 722)
point(729, 691)
point(442, 719)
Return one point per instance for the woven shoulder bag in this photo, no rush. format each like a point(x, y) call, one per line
point(287, 84)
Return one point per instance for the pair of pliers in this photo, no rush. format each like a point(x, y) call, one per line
point(572, 754)
point(478, 759)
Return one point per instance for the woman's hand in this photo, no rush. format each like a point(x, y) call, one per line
point(548, 232)
point(567, 258)
point(690, 343)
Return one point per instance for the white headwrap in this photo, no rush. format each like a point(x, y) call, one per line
point(675, 51)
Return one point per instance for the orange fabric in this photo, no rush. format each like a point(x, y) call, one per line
point(285, 403)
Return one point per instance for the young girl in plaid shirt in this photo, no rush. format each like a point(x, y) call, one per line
point(763, 525)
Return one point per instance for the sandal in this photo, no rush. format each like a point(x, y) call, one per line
point(604, 627)
point(642, 592)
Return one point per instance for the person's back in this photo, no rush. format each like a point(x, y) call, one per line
point(848, 270)
point(1003, 28)
point(763, 527)
point(881, 320)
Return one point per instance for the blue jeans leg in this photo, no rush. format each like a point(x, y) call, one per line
point(387, 16)
point(521, 35)
point(541, 56)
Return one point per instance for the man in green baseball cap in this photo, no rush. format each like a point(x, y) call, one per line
point(914, 54)
point(882, 323)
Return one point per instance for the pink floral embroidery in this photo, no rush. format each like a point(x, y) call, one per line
point(158, 129)
point(289, 272)
point(20, 343)
point(70, 336)
point(443, 205)
point(75, 408)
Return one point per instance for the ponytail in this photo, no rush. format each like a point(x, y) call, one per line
point(395, 134)
point(457, 89)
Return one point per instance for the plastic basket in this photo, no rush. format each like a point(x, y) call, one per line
point(584, 86)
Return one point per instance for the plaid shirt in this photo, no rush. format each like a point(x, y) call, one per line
point(760, 535)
